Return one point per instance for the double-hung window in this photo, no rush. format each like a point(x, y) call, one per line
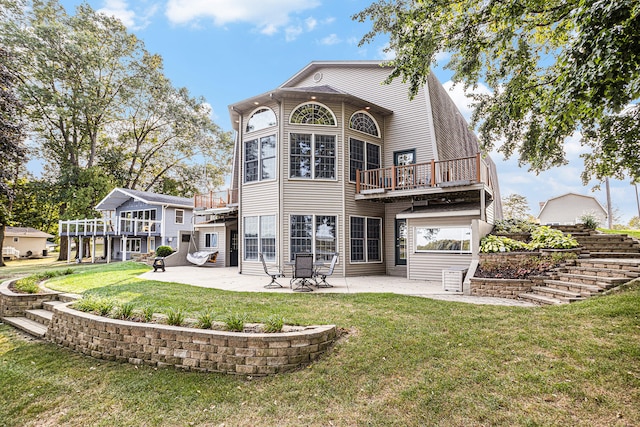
point(366, 239)
point(312, 156)
point(313, 234)
point(260, 236)
point(362, 156)
point(260, 159)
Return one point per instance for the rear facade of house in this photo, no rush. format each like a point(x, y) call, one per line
point(335, 161)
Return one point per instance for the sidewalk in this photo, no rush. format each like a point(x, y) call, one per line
point(229, 279)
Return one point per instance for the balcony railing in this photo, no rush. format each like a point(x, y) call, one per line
point(444, 173)
point(217, 199)
point(109, 226)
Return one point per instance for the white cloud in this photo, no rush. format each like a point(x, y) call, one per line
point(386, 55)
point(266, 15)
point(120, 10)
point(310, 23)
point(292, 32)
point(331, 39)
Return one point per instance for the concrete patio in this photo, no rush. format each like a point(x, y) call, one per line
point(229, 279)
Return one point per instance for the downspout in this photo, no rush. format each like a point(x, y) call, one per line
point(343, 243)
point(163, 234)
point(240, 163)
point(280, 218)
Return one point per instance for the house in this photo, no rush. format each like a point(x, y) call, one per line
point(333, 160)
point(132, 222)
point(568, 208)
point(21, 242)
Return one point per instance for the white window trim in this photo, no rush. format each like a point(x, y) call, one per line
point(175, 217)
point(129, 241)
point(365, 155)
point(241, 237)
point(375, 122)
point(257, 136)
point(313, 156)
point(293, 110)
point(313, 238)
point(217, 239)
point(437, 251)
point(264, 129)
point(366, 255)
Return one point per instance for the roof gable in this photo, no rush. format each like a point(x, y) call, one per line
point(25, 232)
point(118, 196)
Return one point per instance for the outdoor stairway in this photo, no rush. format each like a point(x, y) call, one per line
point(36, 321)
point(599, 245)
point(587, 277)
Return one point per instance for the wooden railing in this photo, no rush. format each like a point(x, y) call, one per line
point(444, 173)
point(10, 251)
point(216, 199)
point(109, 226)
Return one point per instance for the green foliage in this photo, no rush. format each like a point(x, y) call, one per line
point(523, 268)
point(125, 311)
point(552, 68)
point(163, 251)
point(513, 225)
point(175, 316)
point(547, 237)
point(29, 285)
point(590, 220)
point(235, 321)
point(273, 323)
point(101, 306)
point(542, 237)
point(147, 312)
point(206, 319)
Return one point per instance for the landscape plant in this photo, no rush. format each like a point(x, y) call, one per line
point(274, 323)
point(175, 316)
point(164, 251)
point(206, 319)
point(235, 321)
point(589, 220)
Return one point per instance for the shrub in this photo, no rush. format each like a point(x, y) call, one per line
point(163, 251)
point(147, 313)
point(547, 237)
point(513, 226)
point(491, 243)
point(273, 323)
point(235, 322)
point(175, 317)
point(95, 305)
point(590, 220)
point(205, 319)
point(125, 311)
point(27, 285)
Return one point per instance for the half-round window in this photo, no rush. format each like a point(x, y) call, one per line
point(363, 122)
point(313, 114)
point(262, 118)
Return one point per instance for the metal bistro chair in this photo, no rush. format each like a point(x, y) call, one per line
point(303, 273)
point(273, 272)
point(324, 272)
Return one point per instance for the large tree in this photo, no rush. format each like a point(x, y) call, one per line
point(554, 68)
point(12, 151)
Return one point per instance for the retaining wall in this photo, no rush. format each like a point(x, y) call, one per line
point(14, 304)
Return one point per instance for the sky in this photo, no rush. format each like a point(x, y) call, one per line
point(229, 50)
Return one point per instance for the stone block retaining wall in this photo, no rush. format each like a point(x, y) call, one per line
point(501, 288)
point(255, 354)
point(13, 304)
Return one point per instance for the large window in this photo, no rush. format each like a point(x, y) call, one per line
point(262, 118)
point(362, 156)
point(363, 122)
point(366, 239)
point(313, 234)
point(138, 221)
point(260, 236)
point(260, 159)
point(312, 114)
point(132, 245)
point(312, 156)
point(443, 239)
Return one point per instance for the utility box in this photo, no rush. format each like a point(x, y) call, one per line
point(452, 278)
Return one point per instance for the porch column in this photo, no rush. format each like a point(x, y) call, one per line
point(107, 242)
point(93, 249)
point(124, 248)
point(68, 248)
point(80, 254)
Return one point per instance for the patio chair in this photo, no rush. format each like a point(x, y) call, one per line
point(303, 273)
point(273, 272)
point(324, 272)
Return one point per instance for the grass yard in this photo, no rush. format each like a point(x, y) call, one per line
point(406, 361)
point(631, 233)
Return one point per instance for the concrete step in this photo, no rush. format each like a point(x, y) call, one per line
point(69, 297)
point(39, 315)
point(560, 294)
point(540, 299)
point(580, 288)
point(600, 254)
point(27, 325)
point(603, 282)
point(48, 305)
point(601, 272)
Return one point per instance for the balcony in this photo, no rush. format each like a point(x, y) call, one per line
point(109, 226)
point(423, 178)
point(216, 199)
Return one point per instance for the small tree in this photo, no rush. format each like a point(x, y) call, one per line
point(634, 223)
point(515, 206)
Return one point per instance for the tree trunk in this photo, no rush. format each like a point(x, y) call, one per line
point(64, 248)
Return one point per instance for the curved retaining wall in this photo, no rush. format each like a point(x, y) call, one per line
point(13, 304)
point(255, 354)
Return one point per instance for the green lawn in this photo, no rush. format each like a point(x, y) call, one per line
point(630, 233)
point(405, 361)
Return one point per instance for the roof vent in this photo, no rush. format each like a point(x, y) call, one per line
point(317, 77)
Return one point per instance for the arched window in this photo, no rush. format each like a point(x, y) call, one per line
point(312, 114)
point(363, 122)
point(262, 118)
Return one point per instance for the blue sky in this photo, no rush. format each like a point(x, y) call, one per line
point(229, 50)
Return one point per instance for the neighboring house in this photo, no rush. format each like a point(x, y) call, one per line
point(568, 208)
point(333, 160)
point(21, 242)
point(132, 222)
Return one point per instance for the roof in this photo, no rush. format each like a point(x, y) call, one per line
point(25, 232)
point(119, 196)
point(572, 194)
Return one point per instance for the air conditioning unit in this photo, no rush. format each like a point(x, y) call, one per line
point(452, 279)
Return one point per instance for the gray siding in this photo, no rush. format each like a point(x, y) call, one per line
point(220, 229)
